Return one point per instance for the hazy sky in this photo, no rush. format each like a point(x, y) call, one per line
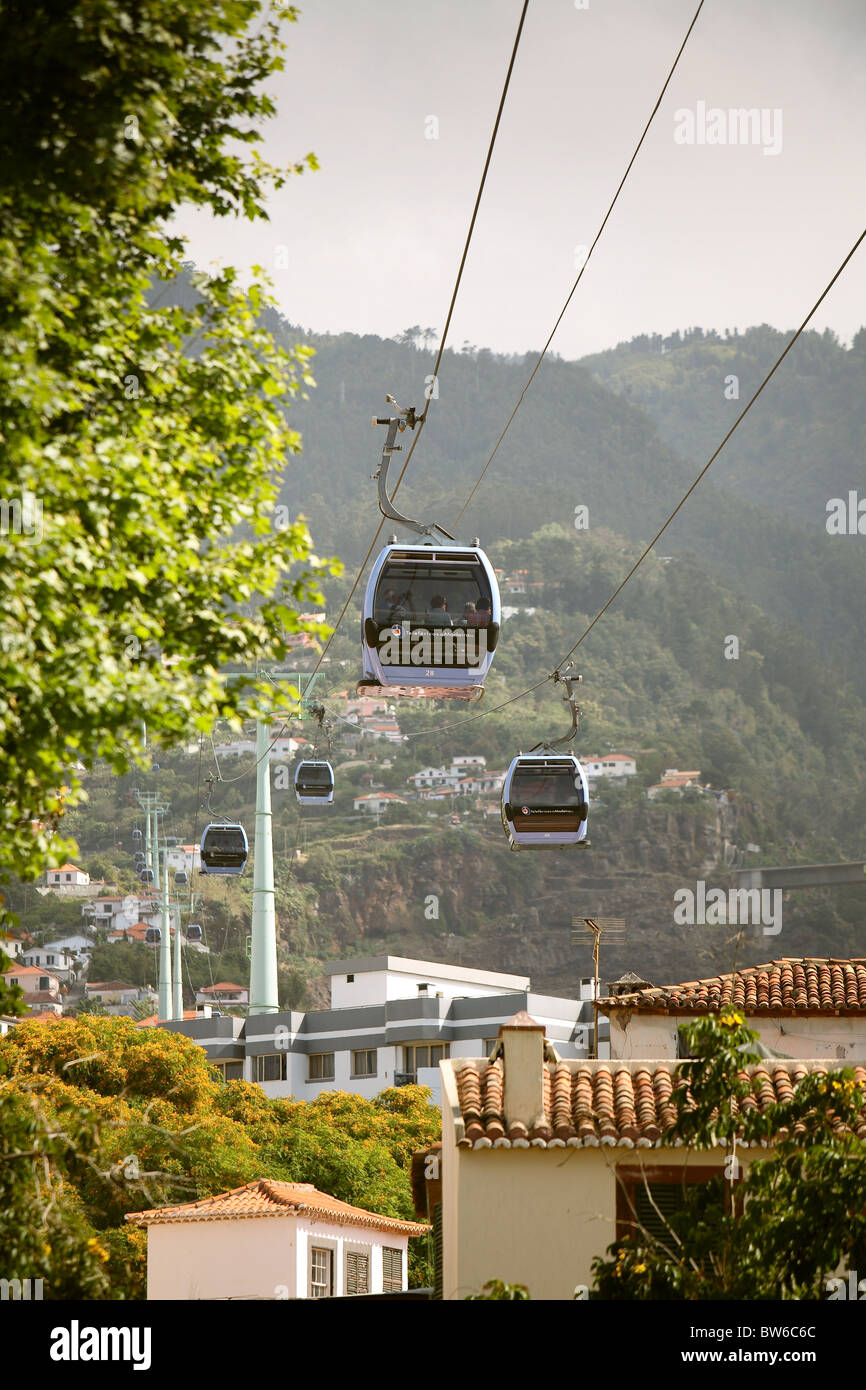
point(708, 234)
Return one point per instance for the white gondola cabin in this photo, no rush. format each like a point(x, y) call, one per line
point(431, 621)
point(224, 849)
point(545, 801)
point(314, 784)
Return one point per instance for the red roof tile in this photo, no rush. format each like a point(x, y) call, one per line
point(804, 985)
point(267, 1198)
point(591, 1104)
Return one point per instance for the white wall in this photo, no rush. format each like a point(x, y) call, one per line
point(377, 986)
point(255, 1257)
point(655, 1036)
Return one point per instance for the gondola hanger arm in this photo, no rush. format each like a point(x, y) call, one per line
point(397, 423)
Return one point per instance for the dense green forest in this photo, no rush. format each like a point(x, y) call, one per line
point(778, 723)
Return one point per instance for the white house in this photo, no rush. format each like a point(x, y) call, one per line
point(41, 988)
point(74, 943)
point(120, 913)
point(273, 1240)
point(612, 765)
point(375, 802)
point(68, 875)
point(59, 963)
point(800, 1007)
point(184, 859)
point(430, 777)
point(481, 783)
point(675, 781)
point(223, 993)
point(116, 997)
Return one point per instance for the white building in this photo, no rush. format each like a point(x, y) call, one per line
point(67, 876)
point(117, 914)
point(375, 802)
point(74, 943)
point(391, 1021)
point(117, 998)
point(273, 1240)
point(184, 859)
point(60, 963)
point(613, 766)
point(223, 993)
point(41, 988)
point(800, 1007)
point(430, 777)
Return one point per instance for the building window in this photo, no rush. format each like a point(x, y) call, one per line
point(392, 1270)
point(417, 1055)
point(350, 979)
point(488, 1045)
point(364, 1062)
point(321, 1066)
point(45, 983)
point(321, 1273)
point(49, 960)
point(229, 1071)
point(357, 1272)
point(269, 1066)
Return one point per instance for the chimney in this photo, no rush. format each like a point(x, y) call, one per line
point(522, 1042)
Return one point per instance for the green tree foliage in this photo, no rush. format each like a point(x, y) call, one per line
point(155, 1127)
point(783, 1229)
point(138, 435)
point(11, 996)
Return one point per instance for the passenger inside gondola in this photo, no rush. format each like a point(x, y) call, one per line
point(437, 614)
point(482, 615)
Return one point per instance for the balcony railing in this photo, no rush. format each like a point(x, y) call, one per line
point(405, 1078)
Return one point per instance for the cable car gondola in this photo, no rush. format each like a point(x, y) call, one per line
point(224, 849)
point(431, 610)
point(193, 932)
point(136, 834)
point(545, 796)
point(146, 875)
point(153, 936)
point(314, 784)
point(181, 878)
point(138, 857)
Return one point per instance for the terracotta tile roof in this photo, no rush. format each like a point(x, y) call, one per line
point(591, 1104)
point(221, 987)
point(819, 985)
point(267, 1198)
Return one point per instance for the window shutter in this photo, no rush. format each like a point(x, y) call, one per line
point(668, 1197)
point(392, 1270)
point(356, 1272)
point(437, 1250)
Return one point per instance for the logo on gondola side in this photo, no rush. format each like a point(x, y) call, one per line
point(403, 645)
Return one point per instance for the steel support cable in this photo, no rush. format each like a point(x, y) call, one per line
point(571, 292)
point(423, 416)
point(441, 728)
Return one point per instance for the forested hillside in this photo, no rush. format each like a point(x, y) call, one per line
point(737, 650)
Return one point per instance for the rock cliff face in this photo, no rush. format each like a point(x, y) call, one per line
point(460, 896)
